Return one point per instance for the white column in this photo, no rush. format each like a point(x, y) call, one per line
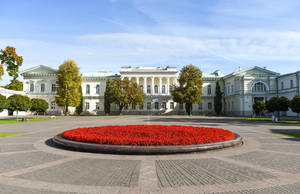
point(168, 86)
point(160, 85)
point(137, 81)
point(145, 85)
point(152, 85)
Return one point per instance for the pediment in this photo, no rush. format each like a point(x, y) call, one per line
point(258, 72)
point(41, 69)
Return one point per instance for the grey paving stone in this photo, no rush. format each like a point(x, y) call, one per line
point(95, 172)
point(15, 147)
point(277, 140)
point(6, 189)
point(203, 172)
point(286, 189)
point(283, 148)
point(23, 160)
point(282, 162)
point(18, 139)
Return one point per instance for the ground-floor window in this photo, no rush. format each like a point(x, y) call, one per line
point(87, 106)
point(133, 106)
point(164, 105)
point(52, 105)
point(171, 105)
point(126, 107)
point(200, 106)
point(148, 105)
point(97, 106)
point(156, 105)
point(141, 107)
point(181, 106)
point(209, 106)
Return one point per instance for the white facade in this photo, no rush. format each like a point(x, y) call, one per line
point(241, 88)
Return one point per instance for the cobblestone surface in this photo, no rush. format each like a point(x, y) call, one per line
point(265, 164)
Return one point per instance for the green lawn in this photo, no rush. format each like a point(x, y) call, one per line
point(290, 134)
point(20, 120)
point(269, 119)
point(9, 134)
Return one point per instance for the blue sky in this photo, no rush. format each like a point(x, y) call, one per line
point(107, 34)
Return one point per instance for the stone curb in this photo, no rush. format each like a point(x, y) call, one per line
point(126, 149)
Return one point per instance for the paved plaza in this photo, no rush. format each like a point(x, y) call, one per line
point(265, 164)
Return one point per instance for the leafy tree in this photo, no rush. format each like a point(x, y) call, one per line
point(12, 61)
point(259, 107)
point(39, 105)
point(295, 104)
point(15, 85)
point(218, 99)
point(190, 87)
point(79, 108)
point(277, 104)
point(107, 96)
point(18, 103)
point(69, 82)
point(2, 102)
point(125, 92)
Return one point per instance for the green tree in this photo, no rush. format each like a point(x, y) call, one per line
point(125, 92)
point(259, 107)
point(15, 85)
point(190, 87)
point(2, 102)
point(11, 60)
point(69, 82)
point(107, 97)
point(18, 103)
point(218, 99)
point(39, 105)
point(295, 104)
point(79, 108)
point(277, 104)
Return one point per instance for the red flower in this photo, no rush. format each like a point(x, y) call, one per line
point(148, 135)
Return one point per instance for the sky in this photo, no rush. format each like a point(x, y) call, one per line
point(105, 35)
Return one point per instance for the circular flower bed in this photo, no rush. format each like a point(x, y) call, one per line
point(149, 135)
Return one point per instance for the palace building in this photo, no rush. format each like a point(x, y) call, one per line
point(241, 89)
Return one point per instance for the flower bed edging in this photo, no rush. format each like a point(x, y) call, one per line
point(126, 149)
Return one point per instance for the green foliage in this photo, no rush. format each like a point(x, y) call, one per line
point(107, 97)
point(18, 103)
point(218, 99)
point(295, 104)
point(12, 61)
point(39, 105)
point(277, 104)
point(125, 92)
point(259, 107)
point(15, 85)
point(2, 102)
point(79, 108)
point(190, 87)
point(69, 82)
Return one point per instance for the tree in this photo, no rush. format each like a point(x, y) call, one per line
point(15, 85)
point(79, 108)
point(18, 103)
point(259, 107)
point(107, 97)
point(277, 104)
point(39, 105)
point(2, 102)
point(190, 87)
point(218, 99)
point(69, 82)
point(125, 92)
point(295, 104)
point(10, 58)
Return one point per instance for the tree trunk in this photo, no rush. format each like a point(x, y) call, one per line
point(120, 108)
point(66, 111)
point(17, 115)
point(278, 114)
point(188, 108)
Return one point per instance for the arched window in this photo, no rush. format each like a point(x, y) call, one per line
point(87, 89)
point(155, 89)
point(259, 87)
point(163, 89)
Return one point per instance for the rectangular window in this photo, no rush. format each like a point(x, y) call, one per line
point(155, 89)
point(209, 106)
point(42, 87)
point(53, 88)
point(87, 106)
point(181, 106)
point(87, 89)
point(31, 87)
point(148, 89)
point(52, 105)
point(200, 106)
point(164, 105)
point(97, 106)
point(141, 107)
point(171, 105)
point(170, 88)
point(163, 89)
point(292, 83)
point(97, 89)
point(156, 105)
point(133, 106)
point(209, 90)
point(232, 89)
point(148, 105)
point(282, 85)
